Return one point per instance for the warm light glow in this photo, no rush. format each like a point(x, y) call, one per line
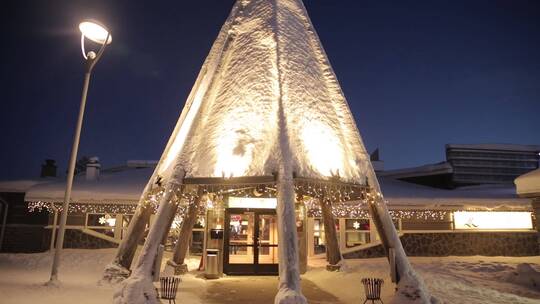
point(233, 159)
point(252, 202)
point(322, 148)
point(95, 32)
point(176, 223)
point(107, 219)
point(478, 220)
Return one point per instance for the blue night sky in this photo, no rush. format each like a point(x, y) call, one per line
point(417, 75)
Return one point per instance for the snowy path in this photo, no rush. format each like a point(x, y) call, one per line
point(472, 280)
point(247, 289)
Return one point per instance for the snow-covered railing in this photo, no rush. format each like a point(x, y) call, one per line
point(100, 235)
point(365, 246)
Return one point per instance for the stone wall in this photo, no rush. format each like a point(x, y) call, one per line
point(461, 244)
point(467, 243)
point(78, 239)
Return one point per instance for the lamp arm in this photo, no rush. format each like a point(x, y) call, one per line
point(92, 62)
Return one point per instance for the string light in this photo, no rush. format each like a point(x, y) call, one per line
point(347, 200)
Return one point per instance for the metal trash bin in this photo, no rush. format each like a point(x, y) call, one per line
point(169, 288)
point(372, 289)
point(212, 264)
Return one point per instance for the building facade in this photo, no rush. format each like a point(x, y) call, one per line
point(476, 164)
point(241, 226)
point(486, 164)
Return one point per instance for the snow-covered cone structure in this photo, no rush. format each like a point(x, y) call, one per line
point(266, 110)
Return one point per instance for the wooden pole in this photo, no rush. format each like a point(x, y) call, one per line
point(139, 287)
point(170, 221)
point(290, 290)
point(119, 268)
point(333, 254)
point(181, 247)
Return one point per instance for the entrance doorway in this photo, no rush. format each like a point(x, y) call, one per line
point(250, 245)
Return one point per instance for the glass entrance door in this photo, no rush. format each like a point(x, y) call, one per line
point(250, 242)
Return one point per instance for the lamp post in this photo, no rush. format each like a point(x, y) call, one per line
point(98, 33)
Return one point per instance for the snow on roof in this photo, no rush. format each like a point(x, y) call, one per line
point(500, 147)
point(265, 93)
point(430, 169)
point(400, 193)
point(529, 183)
point(124, 185)
point(117, 185)
point(23, 185)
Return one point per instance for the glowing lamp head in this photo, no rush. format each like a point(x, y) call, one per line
point(95, 32)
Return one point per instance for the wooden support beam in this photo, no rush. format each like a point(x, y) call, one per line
point(290, 290)
point(170, 221)
point(120, 267)
point(333, 254)
point(139, 285)
point(189, 220)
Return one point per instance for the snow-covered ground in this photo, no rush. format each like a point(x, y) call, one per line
point(475, 280)
point(22, 278)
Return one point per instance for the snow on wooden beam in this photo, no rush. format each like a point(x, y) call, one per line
point(244, 180)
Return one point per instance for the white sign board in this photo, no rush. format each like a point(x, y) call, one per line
point(492, 220)
point(252, 202)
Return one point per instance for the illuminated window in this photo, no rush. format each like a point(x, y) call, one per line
point(492, 220)
point(104, 223)
point(319, 238)
point(356, 232)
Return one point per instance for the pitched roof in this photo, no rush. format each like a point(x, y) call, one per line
point(125, 184)
point(118, 185)
point(267, 92)
point(499, 147)
point(529, 184)
point(408, 195)
point(23, 185)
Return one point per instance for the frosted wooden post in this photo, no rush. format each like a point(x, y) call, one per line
point(333, 255)
point(290, 290)
point(170, 220)
point(181, 247)
point(302, 238)
point(139, 285)
point(119, 268)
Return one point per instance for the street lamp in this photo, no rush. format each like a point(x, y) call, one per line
point(97, 33)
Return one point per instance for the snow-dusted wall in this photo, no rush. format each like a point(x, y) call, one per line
point(267, 51)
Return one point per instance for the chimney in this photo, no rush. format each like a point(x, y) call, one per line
point(48, 169)
point(376, 162)
point(92, 169)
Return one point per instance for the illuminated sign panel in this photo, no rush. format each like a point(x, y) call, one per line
point(480, 220)
point(252, 202)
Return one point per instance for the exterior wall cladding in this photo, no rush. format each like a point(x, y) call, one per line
point(24, 231)
point(485, 166)
point(461, 244)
